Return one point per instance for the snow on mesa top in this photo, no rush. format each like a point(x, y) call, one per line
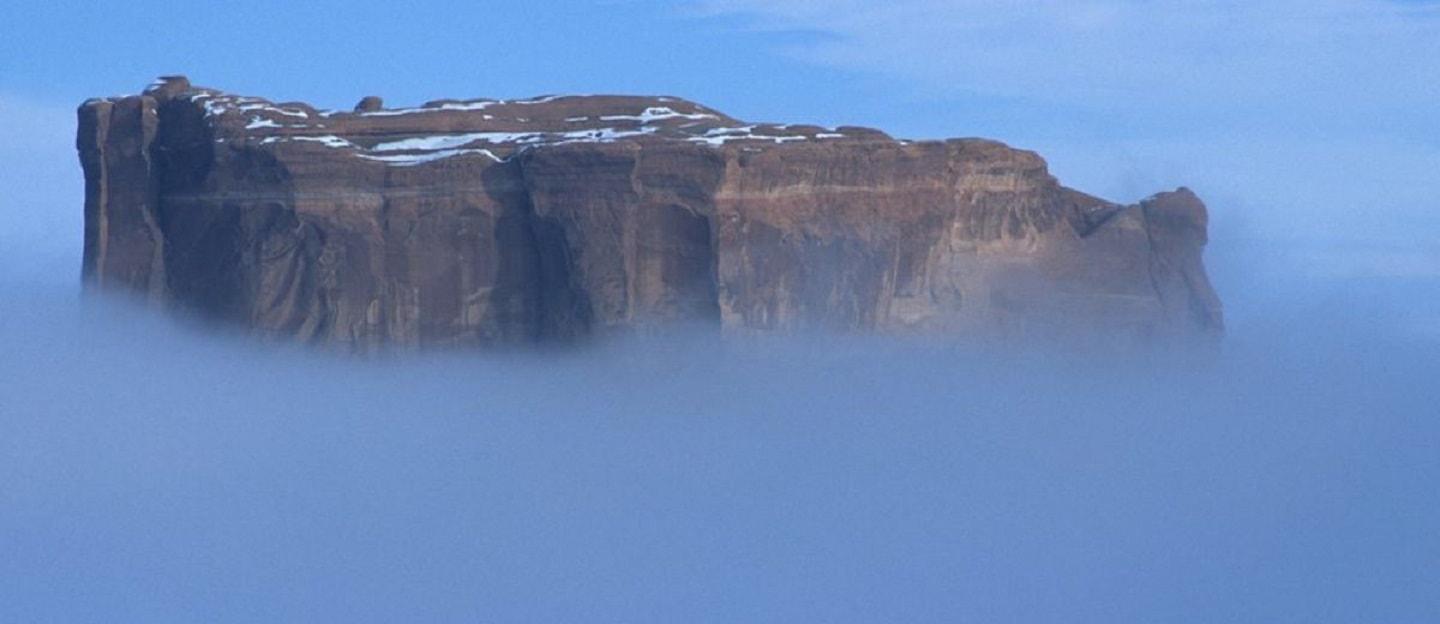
point(485, 128)
point(489, 222)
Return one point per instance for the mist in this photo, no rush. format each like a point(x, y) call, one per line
point(154, 471)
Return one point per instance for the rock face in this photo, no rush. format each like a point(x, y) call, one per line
point(485, 222)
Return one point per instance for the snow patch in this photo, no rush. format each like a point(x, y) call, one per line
point(213, 105)
point(538, 100)
point(447, 106)
point(719, 136)
point(451, 141)
point(656, 113)
point(216, 104)
point(410, 160)
point(438, 142)
point(602, 135)
point(274, 109)
point(328, 140)
point(451, 106)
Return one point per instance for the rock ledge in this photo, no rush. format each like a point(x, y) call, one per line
point(485, 222)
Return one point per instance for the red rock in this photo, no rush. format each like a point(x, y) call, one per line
point(370, 104)
point(487, 222)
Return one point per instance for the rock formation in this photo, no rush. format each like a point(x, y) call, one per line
point(486, 222)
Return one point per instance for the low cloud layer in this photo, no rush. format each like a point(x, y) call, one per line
point(152, 472)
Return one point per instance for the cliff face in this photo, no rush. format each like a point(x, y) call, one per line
point(501, 222)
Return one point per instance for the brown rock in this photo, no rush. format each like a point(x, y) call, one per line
point(486, 222)
point(166, 87)
point(369, 104)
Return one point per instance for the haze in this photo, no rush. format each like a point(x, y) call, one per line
point(151, 470)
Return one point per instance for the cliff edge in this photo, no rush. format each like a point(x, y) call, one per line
point(487, 222)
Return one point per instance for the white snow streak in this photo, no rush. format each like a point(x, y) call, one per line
point(328, 140)
point(656, 113)
point(410, 160)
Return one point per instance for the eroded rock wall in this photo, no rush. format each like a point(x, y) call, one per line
point(487, 222)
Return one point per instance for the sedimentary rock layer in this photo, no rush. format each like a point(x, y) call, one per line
point(487, 222)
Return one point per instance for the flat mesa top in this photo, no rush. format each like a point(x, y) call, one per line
point(487, 128)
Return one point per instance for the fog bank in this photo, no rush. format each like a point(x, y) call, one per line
point(152, 473)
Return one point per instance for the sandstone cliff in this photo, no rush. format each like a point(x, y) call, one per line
point(486, 222)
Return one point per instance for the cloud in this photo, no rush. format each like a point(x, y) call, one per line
point(1288, 478)
point(148, 473)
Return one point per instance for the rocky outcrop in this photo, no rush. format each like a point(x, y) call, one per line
point(485, 222)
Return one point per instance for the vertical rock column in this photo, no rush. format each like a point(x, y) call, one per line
point(124, 247)
point(1177, 225)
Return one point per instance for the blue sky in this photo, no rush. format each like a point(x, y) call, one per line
point(152, 473)
point(1305, 123)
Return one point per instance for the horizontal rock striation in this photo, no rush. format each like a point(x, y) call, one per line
point(488, 222)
